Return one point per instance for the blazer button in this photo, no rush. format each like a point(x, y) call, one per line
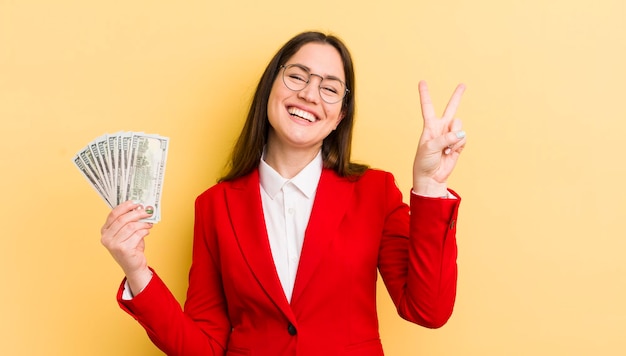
point(291, 329)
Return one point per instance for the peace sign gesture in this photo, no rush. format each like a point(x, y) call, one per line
point(440, 145)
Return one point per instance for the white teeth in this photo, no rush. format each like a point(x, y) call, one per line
point(303, 114)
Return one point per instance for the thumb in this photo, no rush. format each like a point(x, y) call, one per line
point(446, 142)
point(455, 134)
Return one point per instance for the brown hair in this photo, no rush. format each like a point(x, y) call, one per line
point(336, 146)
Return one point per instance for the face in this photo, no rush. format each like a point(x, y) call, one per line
point(301, 119)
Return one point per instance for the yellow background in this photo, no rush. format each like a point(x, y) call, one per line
point(541, 232)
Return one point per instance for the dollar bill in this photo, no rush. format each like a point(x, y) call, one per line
point(82, 167)
point(126, 166)
point(147, 166)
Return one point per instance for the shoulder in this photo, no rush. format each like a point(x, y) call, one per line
point(373, 176)
point(212, 191)
point(379, 185)
point(375, 173)
point(250, 181)
point(369, 176)
point(374, 190)
point(373, 182)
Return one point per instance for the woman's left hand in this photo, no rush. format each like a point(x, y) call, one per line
point(440, 145)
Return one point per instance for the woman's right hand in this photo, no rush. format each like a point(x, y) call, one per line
point(123, 235)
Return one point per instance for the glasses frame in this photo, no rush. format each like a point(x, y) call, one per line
point(284, 67)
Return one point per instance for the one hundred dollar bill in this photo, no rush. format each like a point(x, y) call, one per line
point(147, 167)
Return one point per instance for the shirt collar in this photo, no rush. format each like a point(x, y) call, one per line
point(306, 181)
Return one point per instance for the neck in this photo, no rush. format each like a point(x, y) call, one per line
point(288, 162)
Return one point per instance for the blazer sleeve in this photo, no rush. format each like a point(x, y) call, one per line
point(202, 328)
point(417, 258)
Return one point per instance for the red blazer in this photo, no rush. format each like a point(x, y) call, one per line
point(235, 303)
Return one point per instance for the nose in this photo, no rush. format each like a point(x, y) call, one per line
point(311, 92)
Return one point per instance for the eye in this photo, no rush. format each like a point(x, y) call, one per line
point(297, 77)
point(332, 86)
point(330, 90)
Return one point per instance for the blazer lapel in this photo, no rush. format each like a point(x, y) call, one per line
point(243, 200)
point(331, 203)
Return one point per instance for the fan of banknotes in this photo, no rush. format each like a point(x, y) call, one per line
point(126, 166)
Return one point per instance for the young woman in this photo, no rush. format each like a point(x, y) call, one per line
point(287, 246)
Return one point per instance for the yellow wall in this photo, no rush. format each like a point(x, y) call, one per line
point(541, 233)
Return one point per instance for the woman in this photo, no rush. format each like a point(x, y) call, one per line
point(288, 244)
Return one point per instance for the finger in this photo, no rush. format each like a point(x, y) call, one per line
point(428, 111)
point(455, 125)
point(118, 218)
point(130, 218)
point(453, 104)
point(124, 251)
point(126, 234)
point(118, 211)
point(457, 147)
point(133, 231)
point(448, 142)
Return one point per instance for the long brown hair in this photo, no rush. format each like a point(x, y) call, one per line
point(337, 145)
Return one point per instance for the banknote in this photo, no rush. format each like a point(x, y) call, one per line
point(126, 166)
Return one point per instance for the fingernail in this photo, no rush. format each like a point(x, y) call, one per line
point(447, 151)
point(460, 134)
point(149, 210)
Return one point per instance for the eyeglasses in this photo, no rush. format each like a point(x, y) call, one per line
point(296, 77)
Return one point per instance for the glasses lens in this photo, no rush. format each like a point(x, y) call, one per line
point(332, 90)
point(297, 78)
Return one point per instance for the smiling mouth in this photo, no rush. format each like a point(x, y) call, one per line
point(302, 114)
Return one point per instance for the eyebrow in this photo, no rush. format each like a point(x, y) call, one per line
point(309, 70)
